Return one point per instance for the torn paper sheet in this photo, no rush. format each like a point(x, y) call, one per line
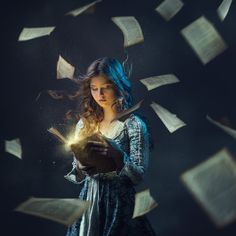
point(169, 8)
point(31, 33)
point(144, 203)
point(130, 28)
point(157, 81)
point(213, 185)
point(64, 69)
point(171, 121)
point(204, 39)
point(65, 211)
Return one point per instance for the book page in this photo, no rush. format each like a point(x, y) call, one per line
point(31, 33)
point(130, 28)
point(169, 8)
point(14, 147)
point(171, 121)
point(64, 69)
point(80, 10)
point(228, 130)
point(223, 9)
point(64, 211)
point(204, 39)
point(144, 203)
point(57, 134)
point(157, 81)
point(213, 184)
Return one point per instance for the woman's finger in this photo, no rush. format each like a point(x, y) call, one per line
point(92, 145)
point(95, 143)
point(101, 149)
point(104, 153)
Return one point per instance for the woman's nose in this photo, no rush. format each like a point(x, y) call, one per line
point(101, 92)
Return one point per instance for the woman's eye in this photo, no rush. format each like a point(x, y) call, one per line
point(103, 88)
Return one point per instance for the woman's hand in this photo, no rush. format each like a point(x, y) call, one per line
point(104, 149)
point(80, 155)
point(107, 149)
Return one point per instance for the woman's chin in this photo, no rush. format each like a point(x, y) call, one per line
point(103, 104)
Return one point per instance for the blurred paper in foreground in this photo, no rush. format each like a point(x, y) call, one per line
point(64, 69)
point(213, 184)
point(31, 33)
point(228, 130)
point(169, 8)
point(80, 10)
point(14, 147)
point(144, 203)
point(64, 211)
point(157, 81)
point(204, 39)
point(171, 121)
point(223, 9)
point(130, 28)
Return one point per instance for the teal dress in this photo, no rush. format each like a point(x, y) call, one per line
point(112, 194)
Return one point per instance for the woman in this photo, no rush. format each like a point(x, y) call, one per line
point(106, 92)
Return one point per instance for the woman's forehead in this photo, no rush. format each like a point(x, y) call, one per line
point(99, 80)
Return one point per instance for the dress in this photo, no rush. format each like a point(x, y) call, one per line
point(112, 194)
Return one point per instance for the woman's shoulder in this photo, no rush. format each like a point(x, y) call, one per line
point(136, 121)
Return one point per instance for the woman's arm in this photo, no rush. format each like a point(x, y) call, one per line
point(136, 162)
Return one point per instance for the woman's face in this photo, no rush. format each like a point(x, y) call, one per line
point(103, 91)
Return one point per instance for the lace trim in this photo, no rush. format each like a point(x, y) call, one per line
point(114, 130)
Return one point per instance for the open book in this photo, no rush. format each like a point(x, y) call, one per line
point(85, 159)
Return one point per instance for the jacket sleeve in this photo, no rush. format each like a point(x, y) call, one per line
point(136, 162)
point(75, 175)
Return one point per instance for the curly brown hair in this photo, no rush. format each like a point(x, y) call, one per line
point(89, 111)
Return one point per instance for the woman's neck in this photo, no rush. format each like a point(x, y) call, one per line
point(109, 114)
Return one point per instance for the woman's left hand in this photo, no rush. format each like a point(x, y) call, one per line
point(106, 149)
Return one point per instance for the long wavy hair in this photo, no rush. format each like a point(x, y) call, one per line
point(89, 111)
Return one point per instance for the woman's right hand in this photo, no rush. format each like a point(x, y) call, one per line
point(81, 155)
point(90, 170)
point(74, 149)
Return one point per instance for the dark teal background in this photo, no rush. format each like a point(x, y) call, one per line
point(28, 68)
